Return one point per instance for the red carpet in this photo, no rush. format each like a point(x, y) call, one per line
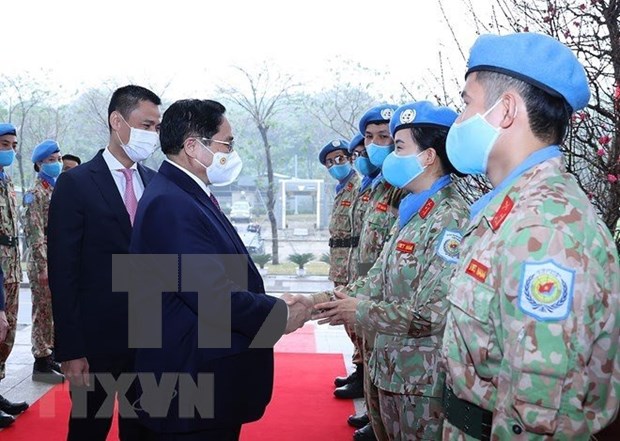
point(303, 407)
point(301, 341)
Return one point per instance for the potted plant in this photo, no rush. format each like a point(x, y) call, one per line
point(300, 259)
point(261, 260)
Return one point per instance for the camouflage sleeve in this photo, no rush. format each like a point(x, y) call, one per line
point(322, 297)
point(37, 233)
point(559, 333)
point(424, 312)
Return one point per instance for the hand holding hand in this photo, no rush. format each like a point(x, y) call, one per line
point(299, 311)
point(337, 312)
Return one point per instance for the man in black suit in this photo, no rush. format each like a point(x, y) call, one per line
point(219, 290)
point(90, 219)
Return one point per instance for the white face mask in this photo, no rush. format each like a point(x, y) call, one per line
point(141, 144)
point(224, 169)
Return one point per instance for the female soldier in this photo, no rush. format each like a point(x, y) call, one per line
point(408, 285)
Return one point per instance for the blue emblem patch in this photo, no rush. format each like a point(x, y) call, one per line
point(546, 290)
point(28, 198)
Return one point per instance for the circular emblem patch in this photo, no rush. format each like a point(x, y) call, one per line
point(451, 248)
point(545, 290)
point(387, 114)
point(222, 161)
point(407, 116)
point(336, 143)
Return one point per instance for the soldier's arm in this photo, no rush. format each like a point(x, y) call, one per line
point(559, 329)
point(424, 312)
point(36, 232)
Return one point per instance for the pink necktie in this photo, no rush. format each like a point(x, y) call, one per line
point(215, 202)
point(131, 202)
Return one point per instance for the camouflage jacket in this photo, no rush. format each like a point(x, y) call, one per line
point(533, 329)
point(358, 214)
point(37, 202)
point(9, 255)
point(340, 228)
point(380, 217)
point(408, 288)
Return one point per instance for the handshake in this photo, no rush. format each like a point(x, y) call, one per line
point(301, 308)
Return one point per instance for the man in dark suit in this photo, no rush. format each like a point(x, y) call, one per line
point(91, 215)
point(179, 216)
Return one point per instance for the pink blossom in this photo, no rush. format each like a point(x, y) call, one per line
point(600, 152)
point(576, 23)
point(582, 6)
point(590, 195)
point(612, 178)
point(604, 140)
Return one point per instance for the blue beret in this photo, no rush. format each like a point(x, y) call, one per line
point(332, 146)
point(377, 115)
point(44, 149)
point(357, 140)
point(421, 113)
point(7, 129)
point(537, 59)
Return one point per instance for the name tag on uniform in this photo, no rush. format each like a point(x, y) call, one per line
point(405, 247)
point(366, 197)
point(346, 203)
point(382, 207)
point(477, 270)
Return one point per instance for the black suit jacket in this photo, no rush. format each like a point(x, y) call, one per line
point(176, 217)
point(88, 222)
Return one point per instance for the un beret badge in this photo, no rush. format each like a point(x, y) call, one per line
point(407, 116)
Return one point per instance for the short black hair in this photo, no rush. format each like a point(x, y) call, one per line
point(435, 137)
point(548, 115)
point(71, 157)
point(188, 118)
point(125, 99)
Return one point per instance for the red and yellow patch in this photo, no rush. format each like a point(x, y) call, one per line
point(366, 197)
point(382, 207)
point(405, 247)
point(350, 186)
point(346, 203)
point(426, 208)
point(477, 270)
point(502, 213)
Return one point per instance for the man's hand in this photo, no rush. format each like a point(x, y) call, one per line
point(76, 371)
point(299, 310)
point(4, 326)
point(337, 312)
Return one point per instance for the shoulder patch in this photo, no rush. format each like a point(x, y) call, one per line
point(28, 198)
point(546, 290)
point(449, 246)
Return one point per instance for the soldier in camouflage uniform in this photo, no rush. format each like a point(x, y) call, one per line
point(335, 157)
point(531, 341)
point(407, 287)
point(47, 162)
point(9, 255)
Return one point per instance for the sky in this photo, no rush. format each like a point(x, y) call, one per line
point(191, 45)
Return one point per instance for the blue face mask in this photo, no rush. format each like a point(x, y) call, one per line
point(6, 157)
point(401, 170)
point(364, 166)
point(378, 153)
point(340, 172)
point(51, 169)
point(469, 143)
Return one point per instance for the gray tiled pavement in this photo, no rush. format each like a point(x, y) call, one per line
point(18, 384)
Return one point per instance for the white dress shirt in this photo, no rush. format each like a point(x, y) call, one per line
point(198, 181)
point(119, 178)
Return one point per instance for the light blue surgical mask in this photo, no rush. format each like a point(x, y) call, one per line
point(51, 169)
point(378, 153)
point(364, 166)
point(469, 143)
point(400, 170)
point(7, 157)
point(340, 172)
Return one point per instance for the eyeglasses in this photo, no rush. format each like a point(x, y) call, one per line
point(340, 159)
point(230, 145)
point(356, 154)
